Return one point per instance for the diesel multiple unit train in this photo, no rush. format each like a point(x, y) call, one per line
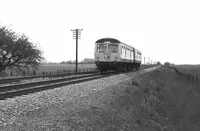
point(112, 54)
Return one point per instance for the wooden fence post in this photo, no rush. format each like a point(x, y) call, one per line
point(11, 73)
point(192, 79)
point(34, 73)
point(197, 80)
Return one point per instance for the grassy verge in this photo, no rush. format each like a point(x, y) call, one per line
point(168, 102)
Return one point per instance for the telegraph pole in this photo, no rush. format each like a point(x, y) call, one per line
point(77, 35)
point(144, 60)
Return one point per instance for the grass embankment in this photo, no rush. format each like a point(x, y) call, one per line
point(168, 102)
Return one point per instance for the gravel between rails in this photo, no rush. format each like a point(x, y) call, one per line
point(15, 112)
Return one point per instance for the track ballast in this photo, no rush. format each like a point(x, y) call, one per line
point(10, 91)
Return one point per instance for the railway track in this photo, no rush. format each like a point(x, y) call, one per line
point(9, 91)
point(26, 88)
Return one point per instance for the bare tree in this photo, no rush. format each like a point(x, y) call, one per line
point(16, 51)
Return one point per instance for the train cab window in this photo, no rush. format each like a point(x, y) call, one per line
point(101, 48)
point(113, 48)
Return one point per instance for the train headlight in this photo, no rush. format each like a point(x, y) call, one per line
point(107, 56)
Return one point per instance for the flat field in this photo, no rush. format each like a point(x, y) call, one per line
point(53, 68)
point(191, 69)
point(56, 67)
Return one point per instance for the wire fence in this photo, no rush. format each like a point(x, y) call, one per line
point(190, 78)
point(44, 73)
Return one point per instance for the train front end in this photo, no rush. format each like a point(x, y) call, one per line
point(107, 54)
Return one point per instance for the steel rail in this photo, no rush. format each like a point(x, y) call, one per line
point(43, 82)
point(26, 88)
point(23, 89)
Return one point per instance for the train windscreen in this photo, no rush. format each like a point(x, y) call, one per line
point(113, 48)
point(101, 48)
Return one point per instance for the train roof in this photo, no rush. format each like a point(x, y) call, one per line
point(112, 40)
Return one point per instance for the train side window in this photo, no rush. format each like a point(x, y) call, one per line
point(113, 48)
point(128, 51)
point(136, 55)
point(125, 51)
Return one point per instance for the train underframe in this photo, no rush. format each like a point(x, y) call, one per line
point(116, 66)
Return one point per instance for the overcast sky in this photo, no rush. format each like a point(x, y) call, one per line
point(163, 30)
